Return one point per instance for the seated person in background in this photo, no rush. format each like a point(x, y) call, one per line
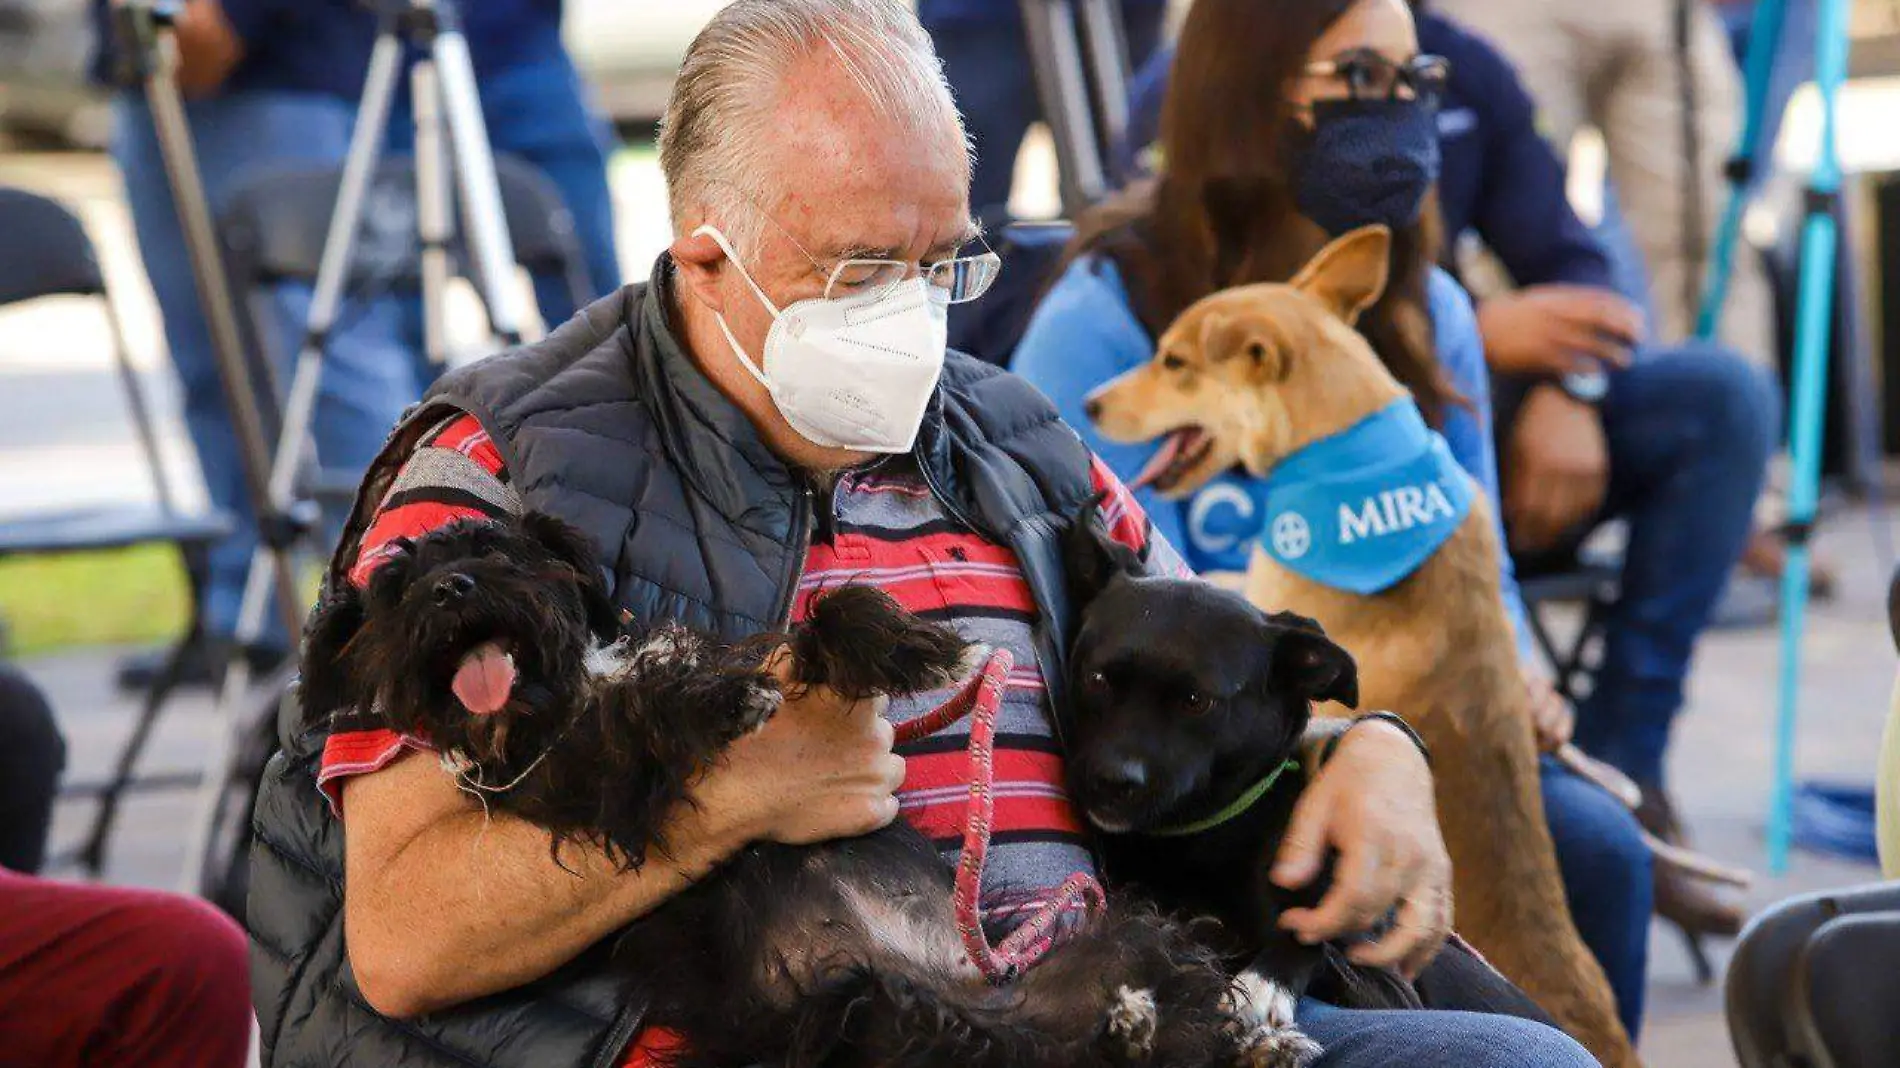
point(721, 463)
point(1250, 187)
point(93, 975)
point(1592, 425)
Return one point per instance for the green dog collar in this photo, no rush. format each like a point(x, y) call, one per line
point(1239, 805)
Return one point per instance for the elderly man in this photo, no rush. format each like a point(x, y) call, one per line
point(816, 166)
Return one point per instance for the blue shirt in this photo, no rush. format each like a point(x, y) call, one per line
point(322, 46)
point(1085, 333)
point(1499, 177)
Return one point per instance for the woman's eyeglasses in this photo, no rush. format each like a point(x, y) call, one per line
point(1369, 75)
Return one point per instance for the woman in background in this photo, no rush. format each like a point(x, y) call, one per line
point(1286, 125)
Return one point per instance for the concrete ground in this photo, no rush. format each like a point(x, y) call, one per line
point(64, 439)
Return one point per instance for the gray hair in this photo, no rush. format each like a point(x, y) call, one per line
point(711, 136)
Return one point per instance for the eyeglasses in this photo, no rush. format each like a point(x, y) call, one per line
point(956, 280)
point(1371, 76)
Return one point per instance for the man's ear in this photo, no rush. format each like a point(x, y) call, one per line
point(573, 547)
point(697, 263)
point(1349, 275)
point(1092, 558)
point(1308, 663)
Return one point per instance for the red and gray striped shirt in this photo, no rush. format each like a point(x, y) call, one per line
point(885, 529)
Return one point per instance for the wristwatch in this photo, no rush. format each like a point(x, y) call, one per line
point(1585, 387)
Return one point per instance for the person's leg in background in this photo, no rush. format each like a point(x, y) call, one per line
point(32, 755)
point(1689, 433)
point(539, 110)
point(96, 975)
point(1363, 1039)
point(1607, 880)
point(232, 134)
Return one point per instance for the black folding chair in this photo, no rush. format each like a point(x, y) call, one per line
point(47, 253)
point(1591, 582)
point(1813, 982)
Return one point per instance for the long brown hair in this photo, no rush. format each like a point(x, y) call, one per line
point(1221, 211)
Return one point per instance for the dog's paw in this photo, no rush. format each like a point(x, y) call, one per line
point(1265, 1012)
point(1133, 1019)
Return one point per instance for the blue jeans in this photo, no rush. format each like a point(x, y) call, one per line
point(1361, 1039)
point(1690, 430)
point(1607, 881)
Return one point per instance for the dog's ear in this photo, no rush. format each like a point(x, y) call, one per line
point(573, 547)
point(1349, 275)
point(1092, 558)
point(392, 574)
point(1308, 663)
point(1231, 337)
point(324, 680)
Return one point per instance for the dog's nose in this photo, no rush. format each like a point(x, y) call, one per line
point(453, 588)
point(1124, 776)
point(1092, 408)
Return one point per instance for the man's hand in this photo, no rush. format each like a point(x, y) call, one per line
point(1551, 716)
point(820, 768)
point(1558, 329)
point(1557, 470)
point(1372, 802)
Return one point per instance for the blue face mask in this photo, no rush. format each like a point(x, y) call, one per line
point(1363, 509)
point(1369, 161)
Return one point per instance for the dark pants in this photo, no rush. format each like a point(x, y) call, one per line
point(987, 62)
point(1690, 431)
point(97, 975)
point(32, 754)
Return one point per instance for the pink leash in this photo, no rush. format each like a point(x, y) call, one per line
point(981, 698)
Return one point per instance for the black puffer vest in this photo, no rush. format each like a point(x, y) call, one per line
point(608, 424)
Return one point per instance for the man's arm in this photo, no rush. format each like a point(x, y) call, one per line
point(446, 902)
point(210, 44)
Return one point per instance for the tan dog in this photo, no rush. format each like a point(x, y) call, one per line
point(1253, 374)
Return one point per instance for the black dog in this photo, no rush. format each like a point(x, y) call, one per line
point(1189, 706)
point(488, 639)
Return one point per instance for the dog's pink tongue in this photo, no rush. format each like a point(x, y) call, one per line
point(485, 679)
point(1164, 458)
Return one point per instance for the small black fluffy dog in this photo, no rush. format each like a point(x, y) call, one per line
point(494, 641)
point(1187, 700)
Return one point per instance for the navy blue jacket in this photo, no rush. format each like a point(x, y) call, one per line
point(322, 46)
point(1500, 178)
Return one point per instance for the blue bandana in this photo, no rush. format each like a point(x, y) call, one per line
point(1363, 509)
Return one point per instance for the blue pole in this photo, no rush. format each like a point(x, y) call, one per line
point(1758, 71)
point(1819, 241)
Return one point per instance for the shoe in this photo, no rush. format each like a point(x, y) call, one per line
point(1687, 903)
point(1766, 556)
point(201, 664)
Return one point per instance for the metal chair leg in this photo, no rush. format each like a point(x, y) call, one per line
point(92, 856)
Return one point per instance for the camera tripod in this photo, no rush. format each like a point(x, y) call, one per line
point(454, 166)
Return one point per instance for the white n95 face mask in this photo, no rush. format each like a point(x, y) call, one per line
point(852, 373)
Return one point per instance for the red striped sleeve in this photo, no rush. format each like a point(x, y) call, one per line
point(1128, 522)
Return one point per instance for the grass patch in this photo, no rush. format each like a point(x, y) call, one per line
point(136, 595)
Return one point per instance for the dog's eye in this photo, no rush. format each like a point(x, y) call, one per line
point(1174, 362)
point(1097, 681)
point(1196, 703)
